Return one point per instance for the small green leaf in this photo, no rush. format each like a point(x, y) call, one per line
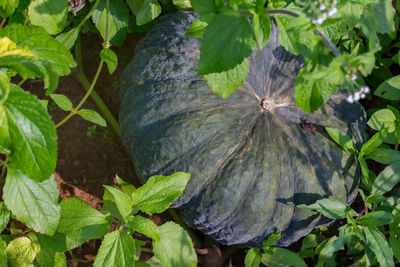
point(93, 116)
point(342, 139)
point(374, 142)
point(309, 241)
point(365, 173)
point(51, 15)
point(198, 27)
point(383, 118)
point(22, 251)
point(125, 186)
point(334, 244)
point(145, 226)
point(31, 202)
point(331, 208)
point(185, 4)
point(375, 218)
point(110, 58)
point(175, 247)
point(226, 82)
point(111, 206)
point(262, 29)
point(62, 101)
point(384, 155)
point(149, 10)
point(7, 7)
point(4, 216)
point(387, 179)
point(68, 38)
point(271, 240)
point(117, 249)
point(376, 242)
point(122, 200)
point(389, 89)
point(253, 257)
point(281, 257)
point(227, 41)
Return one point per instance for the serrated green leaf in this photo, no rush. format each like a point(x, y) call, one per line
point(110, 58)
point(32, 133)
point(342, 139)
point(21, 252)
point(253, 258)
point(4, 216)
point(158, 193)
point(271, 240)
point(281, 257)
point(62, 101)
point(374, 142)
point(331, 208)
point(145, 226)
point(31, 202)
point(80, 222)
point(93, 116)
point(117, 249)
point(3, 253)
point(389, 89)
point(262, 29)
point(203, 6)
point(350, 12)
point(198, 27)
point(51, 15)
point(68, 38)
point(227, 41)
point(175, 247)
point(122, 200)
point(384, 155)
point(149, 10)
point(377, 243)
point(375, 218)
point(387, 179)
point(46, 258)
point(225, 83)
point(117, 23)
point(7, 7)
point(383, 118)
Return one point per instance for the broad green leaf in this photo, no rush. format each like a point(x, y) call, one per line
point(31, 202)
point(62, 101)
point(175, 247)
point(4, 217)
point(54, 243)
point(226, 82)
point(51, 15)
point(33, 135)
point(4, 87)
point(117, 249)
point(384, 155)
point(376, 218)
point(22, 251)
point(46, 258)
point(376, 242)
point(7, 7)
point(253, 258)
point(389, 89)
point(3, 253)
point(80, 222)
point(387, 179)
point(342, 139)
point(198, 27)
point(331, 208)
point(182, 3)
point(110, 58)
point(68, 38)
point(117, 23)
point(374, 142)
point(122, 200)
point(149, 10)
point(262, 29)
point(281, 257)
point(203, 6)
point(365, 62)
point(145, 226)
point(158, 193)
point(271, 240)
point(383, 118)
point(395, 245)
point(93, 116)
point(385, 16)
point(227, 41)
point(350, 12)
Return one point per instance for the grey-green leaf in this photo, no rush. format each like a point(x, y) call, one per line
point(31, 202)
point(62, 101)
point(342, 139)
point(51, 15)
point(376, 218)
point(110, 58)
point(376, 242)
point(145, 226)
point(253, 258)
point(175, 247)
point(387, 179)
point(117, 249)
point(93, 116)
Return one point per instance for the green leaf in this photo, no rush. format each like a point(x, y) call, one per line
point(309, 241)
point(22, 251)
point(110, 58)
point(384, 155)
point(387, 179)
point(135, 5)
point(385, 16)
point(271, 240)
point(3, 253)
point(51, 15)
point(5, 141)
point(7, 7)
point(117, 249)
point(4, 87)
point(175, 247)
point(122, 200)
point(383, 118)
point(281, 257)
point(389, 89)
point(227, 41)
point(125, 186)
point(226, 82)
point(80, 222)
point(158, 193)
point(62, 101)
point(334, 244)
point(342, 139)
point(375, 218)
point(117, 23)
point(31, 202)
point(93, 116)
point(374, 142)
point(253, 258)
point(185, 4)
point(68, 38)
point(262, 29)
point(145, 226)
point(4, 217)
point(365, 172)
point(376, 242)
point(203, 6)
point(111, 206)
point(149, 10)
point(46, 258)
point(198, 27)
point(395, 245)
point(32, 133)
point(331, 208)
point(350, 12)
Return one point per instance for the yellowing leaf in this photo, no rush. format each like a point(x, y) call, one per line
point(22, 251)
point(9, 48)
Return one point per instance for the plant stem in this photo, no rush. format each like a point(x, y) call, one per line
point(3, 21)
point(147, 250)
point(21, 82)
point(82, 22)
point(192, 235)
point(282, 11)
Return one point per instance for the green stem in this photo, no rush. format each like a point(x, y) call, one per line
point(192, 235)
point(3, 21)
point(21, 82)
point(82, 22)
point(283, 11)
point(148, 250)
